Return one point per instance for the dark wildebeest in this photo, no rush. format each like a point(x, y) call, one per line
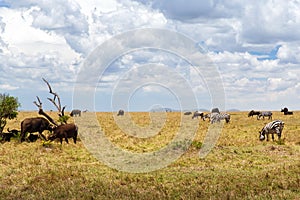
point(7, 136)
point(286, 111)
point(198, 114)
point(187, 113)
point(215, 110)
point(275, 126)
point(75, 112)
point(36, 124)
point(121, 113)
point(265, 114)
point(65, 131)
point(252, 113)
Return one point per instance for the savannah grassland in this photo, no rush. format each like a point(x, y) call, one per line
point(238, 167)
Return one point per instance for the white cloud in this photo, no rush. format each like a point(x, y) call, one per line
point(53, 38)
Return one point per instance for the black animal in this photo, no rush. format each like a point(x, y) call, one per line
point(265, 114)
point(215, 110)
point(37, 124)
point(75, 113)
point(198, 114)
point(187, 113)
point(7, 136)
point(275, 126)
point(252, 113)
point(217, 117)
point(120, 113)
point(32, 138)
point(286, 111)
point(65, 131)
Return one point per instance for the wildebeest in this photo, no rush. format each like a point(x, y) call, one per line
point(275, 126)
point(198, 114)
point(215, 110)
point(217, 117)
point(65, 131)
point(36, 124)
point(120, 113)
point(265, 114)
point(75, 113)
point(188, 113)
point(286, 111)
point(252, 113)
point(10, 133)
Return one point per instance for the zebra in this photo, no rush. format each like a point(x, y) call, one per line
point(265, 114)
point(275, 126)
point(217, 117)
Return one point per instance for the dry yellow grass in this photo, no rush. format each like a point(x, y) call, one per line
point(238, 167)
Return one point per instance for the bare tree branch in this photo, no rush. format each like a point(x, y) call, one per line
point(41, 111)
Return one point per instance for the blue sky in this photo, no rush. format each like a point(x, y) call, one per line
point(254, 46)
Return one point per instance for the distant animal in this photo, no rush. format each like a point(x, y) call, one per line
point(75, 113)
point(36, 124)
point(275, 126)
point(15, 132)
point(85, 111)
point(198, 114)
point(65, 131)
point(120, 113)
point(187, 113)
point(286, 111)
point(265, 114)
point(207, 116)
point(6, 137)
point(217, 117)
point(252, 113)
point(215, 110)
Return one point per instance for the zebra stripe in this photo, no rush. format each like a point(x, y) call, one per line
point(217, 117)
point(275, 126)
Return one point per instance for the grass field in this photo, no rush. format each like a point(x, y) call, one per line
point(238, 167)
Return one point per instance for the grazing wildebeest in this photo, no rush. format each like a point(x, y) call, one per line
point(198, 114)
point(215, 110)
point(6, 137)
point(187, 113)
point(252, 113)
point(65, 131)
point(286, 111)
point(75, 113)
point(11, 133)
point(265, 114)
point(36, 124)
point(275, 126)
point(217, 117)
point(120, 113)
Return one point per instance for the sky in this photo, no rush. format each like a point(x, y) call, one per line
point(252, 48)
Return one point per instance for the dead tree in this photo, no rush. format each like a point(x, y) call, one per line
point(56, 102)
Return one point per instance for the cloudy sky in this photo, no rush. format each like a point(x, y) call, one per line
point(254, 45)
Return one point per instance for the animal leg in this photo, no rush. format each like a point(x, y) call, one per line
point(66, 140)
point(41, 135)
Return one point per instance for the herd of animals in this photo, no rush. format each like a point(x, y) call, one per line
point(65, 131)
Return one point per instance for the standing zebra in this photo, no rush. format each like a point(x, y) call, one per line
point(217, 117)
point(275, 126)
point(265, 114)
